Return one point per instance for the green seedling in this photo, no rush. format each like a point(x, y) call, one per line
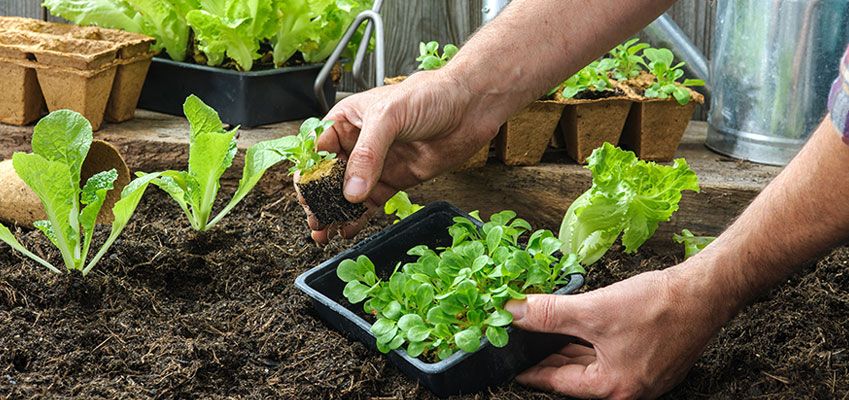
point(666, 77)
point(401, 206)
point(692, 244)
point(593, 77)
point(627, 63)
point(429, 56)
point(211, 153)
point(449, 299)
point(60, 144)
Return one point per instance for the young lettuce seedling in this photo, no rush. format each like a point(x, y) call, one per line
point(430, 58)
point(401, 206)
point(60, 144)
point(628, 196)
point(320, 175)
point(449, 300)
point(211, 153)
point(666, 77)
point(692, 244)
point(626, 62)
point(592, 79)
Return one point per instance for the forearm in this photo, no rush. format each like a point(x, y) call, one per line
point(535, 44)
point(801, 214)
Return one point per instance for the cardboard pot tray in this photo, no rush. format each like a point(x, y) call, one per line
point(94, 71)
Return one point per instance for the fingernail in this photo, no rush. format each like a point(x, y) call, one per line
point(517, 308)
point(355, 187)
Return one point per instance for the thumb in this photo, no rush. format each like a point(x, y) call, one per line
point(365, 161)
point(562, 314)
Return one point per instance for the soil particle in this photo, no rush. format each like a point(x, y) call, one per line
point(170, 314)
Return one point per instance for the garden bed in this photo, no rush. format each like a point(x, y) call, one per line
point(172, 314)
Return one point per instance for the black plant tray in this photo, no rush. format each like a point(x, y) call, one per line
point(462, 372)
point(241, 98)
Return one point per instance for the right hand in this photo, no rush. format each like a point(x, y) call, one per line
point(398, 136)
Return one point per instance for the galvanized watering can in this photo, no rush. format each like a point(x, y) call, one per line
point(771, 68)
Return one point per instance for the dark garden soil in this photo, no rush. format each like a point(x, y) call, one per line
point(173, 314)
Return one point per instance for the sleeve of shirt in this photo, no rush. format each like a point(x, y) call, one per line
point(838, 99)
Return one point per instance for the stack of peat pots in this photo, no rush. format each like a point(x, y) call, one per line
point(652, 128)
point(96, 72)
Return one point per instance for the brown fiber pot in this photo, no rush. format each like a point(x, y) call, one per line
point(525, 136)
point(477, 160)
point(85, 92)
point(21, 101)
point(655, 127)
point(20, 205)
point(588, 124)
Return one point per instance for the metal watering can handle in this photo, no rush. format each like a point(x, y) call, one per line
point(375, 22)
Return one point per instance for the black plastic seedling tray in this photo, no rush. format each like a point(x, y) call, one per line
point(462, 372)
point(241, 98)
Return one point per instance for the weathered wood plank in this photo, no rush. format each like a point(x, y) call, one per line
point(540, 193)
point(22, 8)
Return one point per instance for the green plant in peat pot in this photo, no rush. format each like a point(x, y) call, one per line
point(448, 299)
point(627, 63)
point(666, 77)
point(60, 144)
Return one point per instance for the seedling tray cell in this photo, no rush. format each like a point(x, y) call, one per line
point(462, 372)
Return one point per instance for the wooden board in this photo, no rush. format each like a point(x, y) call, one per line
point(540, 193)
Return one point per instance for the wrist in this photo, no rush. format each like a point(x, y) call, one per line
point(698, 284)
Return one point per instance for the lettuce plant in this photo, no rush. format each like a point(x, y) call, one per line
point(628, 196)
point(451, 299)
point(666, 77)
point(60, 143)
point(163, 20)
point(301, 149)
point(401, 206)
point(211, 153)
point(429, 56)
point(627, 63)
point(692, 244)
point(235, 29)
point(593, 77)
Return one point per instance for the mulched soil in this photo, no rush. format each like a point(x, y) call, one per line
point(175, 314)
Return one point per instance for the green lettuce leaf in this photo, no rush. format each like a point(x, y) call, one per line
point(258, 159)
point(115, 14)
point(692, 244)
point(165, 20)
point(628, 196)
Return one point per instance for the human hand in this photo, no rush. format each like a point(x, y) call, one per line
point(646, 332)
point(397, 136)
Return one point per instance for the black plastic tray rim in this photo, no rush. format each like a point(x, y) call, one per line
point(228, 71)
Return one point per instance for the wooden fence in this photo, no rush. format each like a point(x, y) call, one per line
point(409, 22)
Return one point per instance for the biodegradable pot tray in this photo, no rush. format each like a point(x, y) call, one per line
point(525, 136)
point(588, 124)
point(241, 98)
point(462, 372)
point(654, 127)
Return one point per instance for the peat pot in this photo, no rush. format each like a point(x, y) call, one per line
point(242, 98)
point(462, 372)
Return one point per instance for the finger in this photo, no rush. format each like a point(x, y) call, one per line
point(558, 360)
point(331, 139)
point(551, 313)
point(571, 380)
point(577, 350)
point(320, 237)
point(365, 162)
